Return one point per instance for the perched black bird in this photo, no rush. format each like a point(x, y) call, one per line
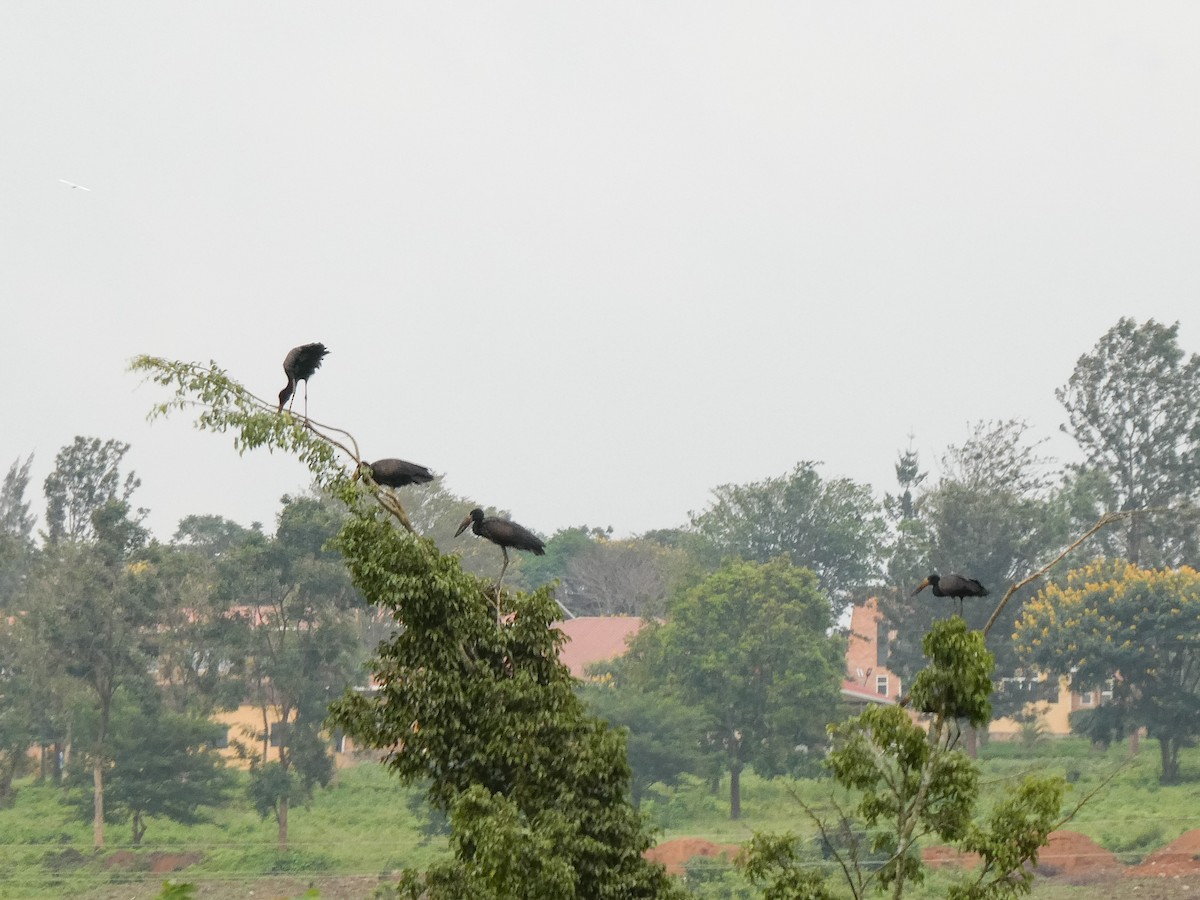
point(394, 472)
point(956, 586)
point(299, 365)
point(503, 534)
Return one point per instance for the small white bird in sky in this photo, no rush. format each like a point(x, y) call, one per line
point(72, 184)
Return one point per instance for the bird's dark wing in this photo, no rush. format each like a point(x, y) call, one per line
point(510, 534)
point(399, 472)
point(302, 361)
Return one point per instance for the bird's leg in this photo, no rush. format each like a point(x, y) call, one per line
point(305, 399)
point(503, 550)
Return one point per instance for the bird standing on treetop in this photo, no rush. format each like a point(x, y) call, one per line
point(299, 365)
point(503, 534)
point(394, 472)
point(956, 586)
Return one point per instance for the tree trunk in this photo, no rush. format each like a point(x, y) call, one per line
point(735, 791)
point(1169, 750)
point(281, 817)
point(8, 771)
point(1135, 742)
point(139, 830)
point(98, 802)
point(971, 743)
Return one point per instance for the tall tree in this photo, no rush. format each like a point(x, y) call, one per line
point(901, 781)
point(1133, 406)
point(86, 477)
point(1112, 621)
point(302, 650)
point(750, 645)
point(16, 531)
point(96, 612)
point(164, 765)
point(835, 527)
point(483, 712)
point(996, 513)
point(599, 576)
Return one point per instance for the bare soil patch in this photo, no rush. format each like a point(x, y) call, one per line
point(1180, 857)
point(673, 854)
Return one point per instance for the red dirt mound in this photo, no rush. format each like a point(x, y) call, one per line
point(673, 854)
point(1177, 858)
point(172, 862)
point(1068, 852)
point(941, 857)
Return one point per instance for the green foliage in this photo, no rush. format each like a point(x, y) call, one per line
point(957, 683)
point(1112, 618)
point(182, 890)
point(778, 864)
point(17, 550)
point(835, 528)
point(664, 736)
point(488, 717)
point(599, 576)
point(903, 782)
point(1133, 405)
point(482, 712)
point(85, 479)
point(164, 765)
point(994, 515)
point(750, 646)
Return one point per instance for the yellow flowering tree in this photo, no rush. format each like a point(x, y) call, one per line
point(1139, 627)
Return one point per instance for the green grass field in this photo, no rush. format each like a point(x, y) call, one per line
point(366, 825)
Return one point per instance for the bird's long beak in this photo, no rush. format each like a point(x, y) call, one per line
point(920, 587)
point(463, 526)
point(357, 472)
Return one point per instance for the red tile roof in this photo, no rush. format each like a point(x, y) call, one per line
point(595, 639)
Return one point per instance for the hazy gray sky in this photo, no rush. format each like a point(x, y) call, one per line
point(589, 260)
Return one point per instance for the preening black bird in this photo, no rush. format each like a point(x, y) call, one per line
point(394, 472)
point(956, 586)
point(299, 365)
point(503, 534)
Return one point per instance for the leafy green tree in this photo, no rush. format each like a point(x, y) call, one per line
point(19, 702)
point(16, 532)
point(201, 654)
point(1112, 620)
point(164, 765)
point(1133, 406)
point(995, 514)
point(664, 737)
point(86, 478)
point(484, 713)
point(902, 782)
point(600, 576)
point(302, 650)
point(750, 645)
point(95, 612)
point(836, 527)
point(212, 537)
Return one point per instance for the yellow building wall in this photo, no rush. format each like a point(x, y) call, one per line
point(245, 726)
point(1053, 717)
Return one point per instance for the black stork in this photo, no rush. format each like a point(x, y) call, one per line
point(299, 365)
point(956, 586)
point(394, 472)
point(503, 534)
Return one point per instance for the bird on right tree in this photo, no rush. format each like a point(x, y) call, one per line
point(956, 586)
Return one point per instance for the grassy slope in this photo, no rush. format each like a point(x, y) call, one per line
point(363, 824)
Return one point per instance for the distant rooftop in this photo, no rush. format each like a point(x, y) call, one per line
point(593, 639)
